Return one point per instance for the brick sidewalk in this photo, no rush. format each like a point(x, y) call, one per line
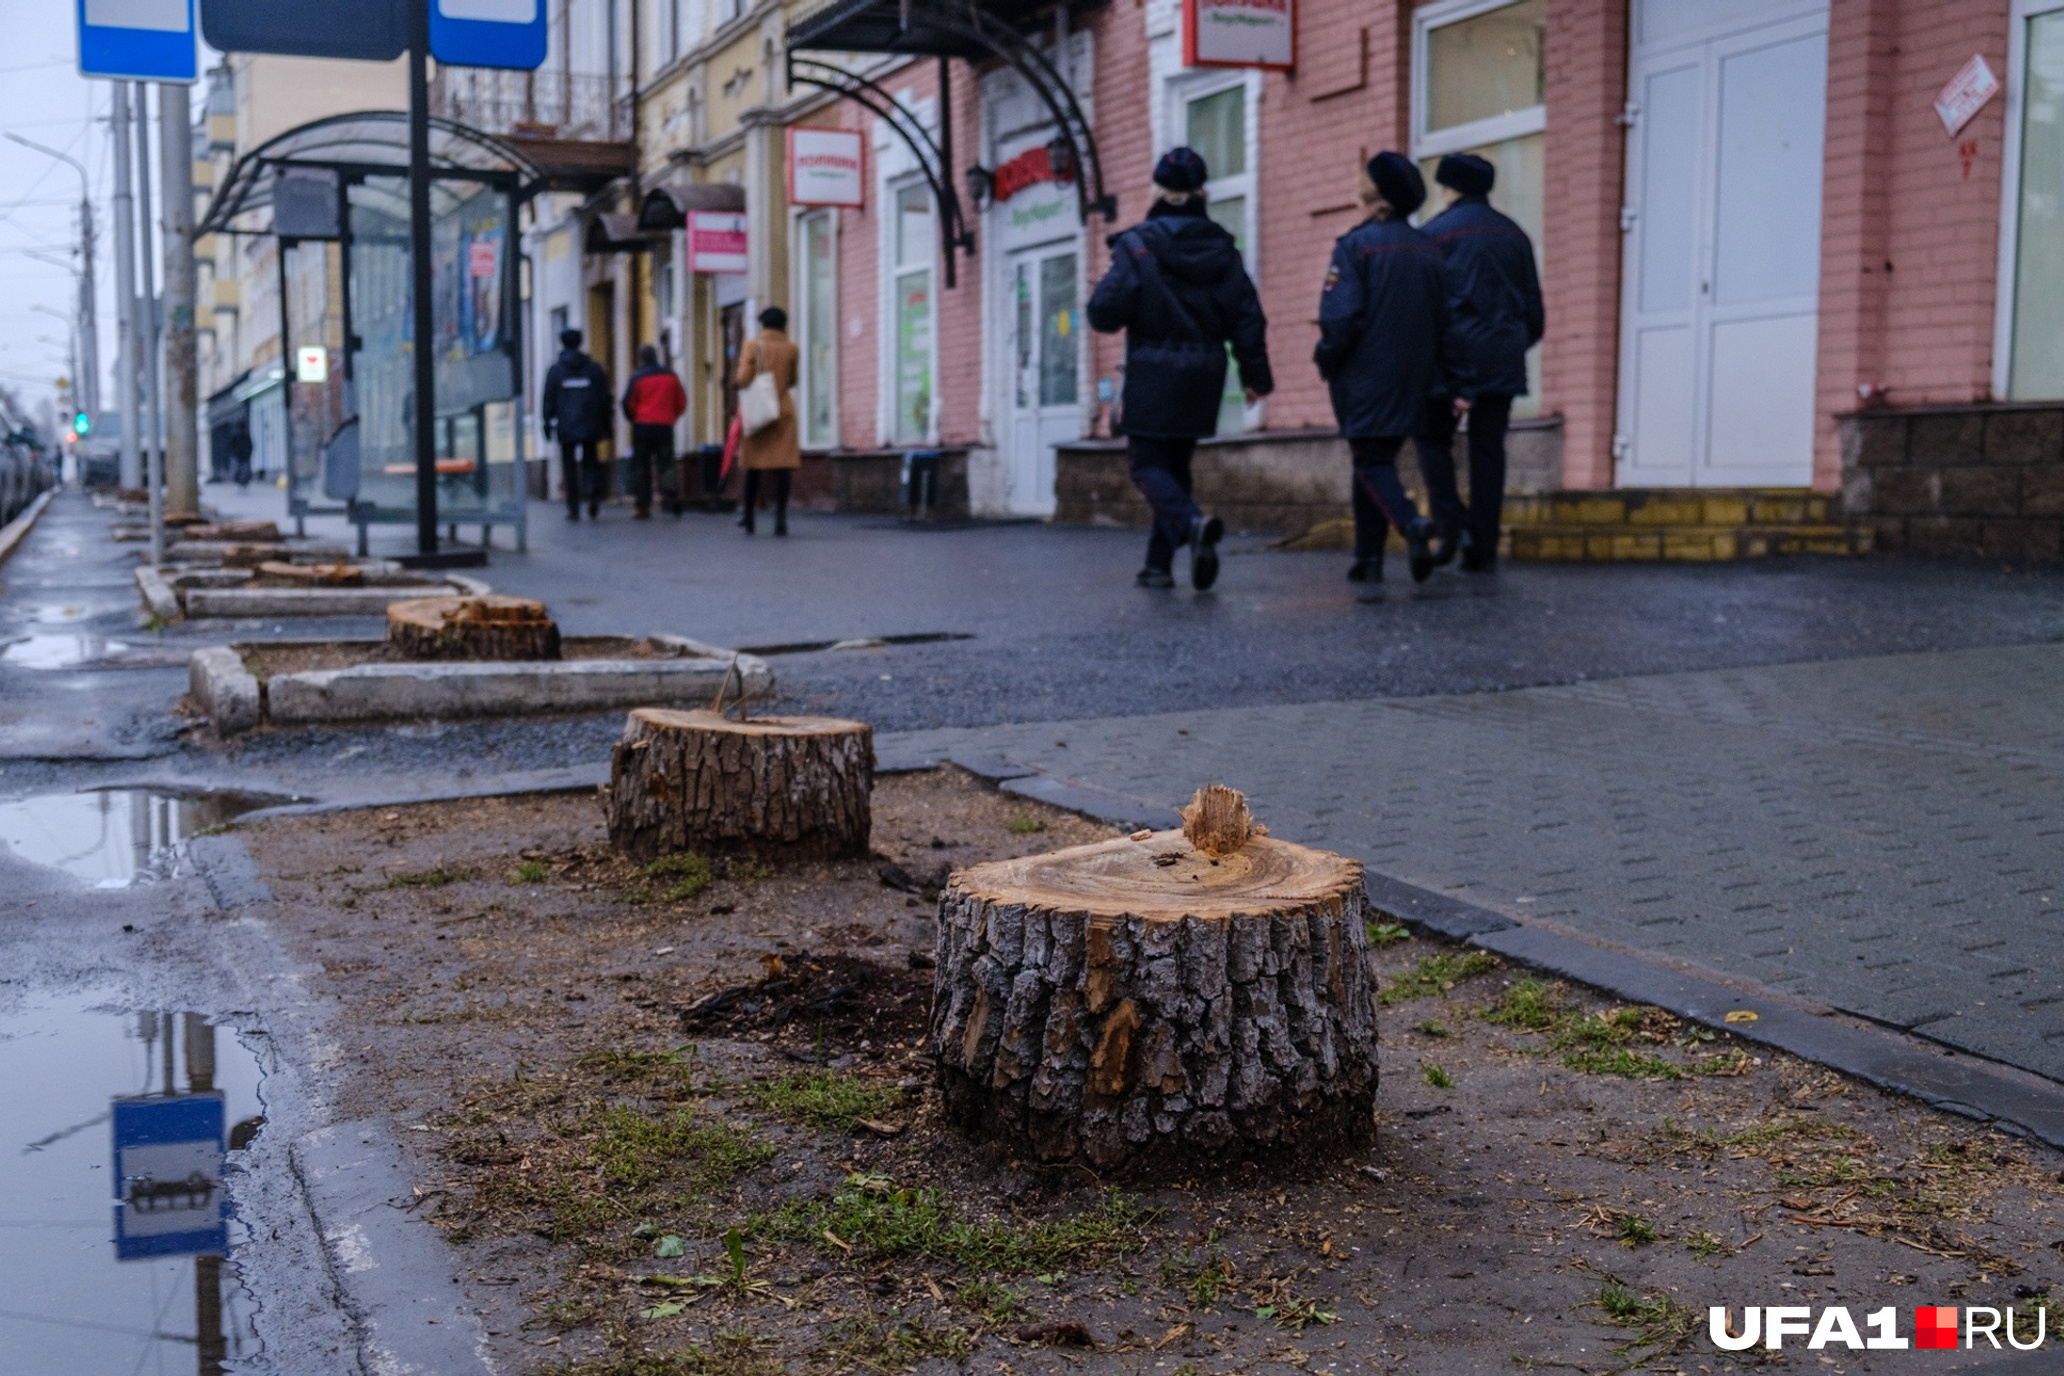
point(1883, 835)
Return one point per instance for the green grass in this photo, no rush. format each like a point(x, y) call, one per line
point(1628, 1065)
point(1024, 825)
point(1202, 1281)
point(628, 1165)
point(1437, 974)
point(1430, 1028)
point(1529, 1005)
point(530, 872)
point(690, 872)
point(1705, 1244)
point(1635, 1231)
point(1384, 933)
point(823, 1098)
point(726, 1354)
point(876, 1221)
point(893, 1342)
point(996, 1304)
point(434, 878)
point(1435, 1076)
point(1660, 1320)
point(660, 1074)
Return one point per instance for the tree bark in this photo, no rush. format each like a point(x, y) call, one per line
point(489, 627)
point(1147, 1008)
point(779, 787)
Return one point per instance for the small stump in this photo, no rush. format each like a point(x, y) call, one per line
point(237, 532)
point(486, 627)
point(780, 787)
point(337, 575)
point(1157, 1004)
point(249, 556)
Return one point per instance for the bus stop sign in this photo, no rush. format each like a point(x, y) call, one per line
point(137, 40)
point(369, 30)
point(488, 33)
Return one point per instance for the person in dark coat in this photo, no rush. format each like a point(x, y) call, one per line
point(240, 456)
point(1495, 315)
point(576, 412)
point(1383, 315)
point(652, 403)
point(1178, 289)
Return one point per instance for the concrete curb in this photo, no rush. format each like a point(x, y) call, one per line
point(224, 689)
point(2015, 1100)
point(266, 602)
point(570, 779)
point(17, 530)
point(158, 597)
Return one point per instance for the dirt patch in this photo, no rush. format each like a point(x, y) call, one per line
point(631, 1187)
point(304, 656)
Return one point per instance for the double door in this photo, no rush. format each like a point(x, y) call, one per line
point(1044, 351)
point(1722, 271)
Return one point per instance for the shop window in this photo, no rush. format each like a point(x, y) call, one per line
point(1479, 88)
point(1215, 125)
point(816, 318)
point(2035, 354)
point(912, 253)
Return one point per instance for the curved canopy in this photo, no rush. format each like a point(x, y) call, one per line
point(367, 141)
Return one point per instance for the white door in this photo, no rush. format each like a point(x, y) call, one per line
point(1722, 271)
point(1044, 349)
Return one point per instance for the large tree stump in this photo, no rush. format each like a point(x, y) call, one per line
point(1148, 1006)
point(485, 627)
point(279, 573)
point(780, 787)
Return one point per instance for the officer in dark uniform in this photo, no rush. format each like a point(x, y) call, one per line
point(1178, 289)
point(1383, 318)
point(576, 408)
point(1495, 314)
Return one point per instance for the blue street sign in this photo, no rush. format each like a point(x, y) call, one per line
point(488, 33)
point(168, 1176)
point(367, 30)
point(137, 40)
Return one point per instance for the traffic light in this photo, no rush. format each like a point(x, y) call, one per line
point(82, 425)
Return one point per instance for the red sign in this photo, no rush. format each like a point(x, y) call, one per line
point(481, 258)
point(1966, 94)
point(826, 167)
point(1240, 33)
point(1028, 168)
point(716, 241)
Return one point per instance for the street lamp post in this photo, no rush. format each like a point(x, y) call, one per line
point(88, 326)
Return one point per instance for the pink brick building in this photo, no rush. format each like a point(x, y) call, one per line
point(1769, 260)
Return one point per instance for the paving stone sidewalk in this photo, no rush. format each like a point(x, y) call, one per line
point(1883, 835)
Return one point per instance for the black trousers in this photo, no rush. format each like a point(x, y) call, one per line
point(782, 477)
point(1161, 471)
point(1489, 417)
point(652, 452)
point(580, 467)
point(1380, 501)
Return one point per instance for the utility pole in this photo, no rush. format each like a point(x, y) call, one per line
point(125, 290)
point(154, 446)
point(182, 435)
point(425, 320)
point(86, 386)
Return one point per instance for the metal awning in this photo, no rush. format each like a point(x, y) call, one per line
point(372, 142)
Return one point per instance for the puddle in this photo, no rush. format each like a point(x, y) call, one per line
point(109, 836)
point(115, 1219)
point(58, 650)
point(873, 642)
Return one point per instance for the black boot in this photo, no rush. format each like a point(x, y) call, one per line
point(1419, 548)
point(1205, 533)
point(1366, 570)
point(1153, 578)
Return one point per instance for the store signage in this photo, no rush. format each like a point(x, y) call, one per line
point(716, 241)
point(1029, 168)
point(1966, 94)
point(137, 40)
point(1240, 33)
point(826, 167)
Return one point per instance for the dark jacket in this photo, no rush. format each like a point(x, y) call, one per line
point(1382, 318)
point(654, 397)
point(1178, 289)
point(1494, 295)
point(576, 399)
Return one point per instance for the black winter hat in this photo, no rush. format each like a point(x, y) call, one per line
point(1467, 173)
point(1398, 181)
point(1181, 169)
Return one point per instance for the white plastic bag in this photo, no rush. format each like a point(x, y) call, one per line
point(759, 405)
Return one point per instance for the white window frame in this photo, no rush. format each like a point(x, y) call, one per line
point(1429, 143)
point(1188, 84)
point(799, 314)
point(888, 343)
point(2010, 191)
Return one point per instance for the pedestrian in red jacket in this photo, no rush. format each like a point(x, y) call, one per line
point(652, 403)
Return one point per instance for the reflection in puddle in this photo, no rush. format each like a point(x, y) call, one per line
point(58, 650)
point(109, 836)
point(116, 1221)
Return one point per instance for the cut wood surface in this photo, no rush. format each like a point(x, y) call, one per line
point(485, 627)
point(1147, 1007)
point(779, 787)
point(337, 575)
point(250, 556)
point(241, 532)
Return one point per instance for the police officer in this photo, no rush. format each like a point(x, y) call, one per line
point(576, 407)
point(1495, 314)
point(1383, 315)
point(1178, 289)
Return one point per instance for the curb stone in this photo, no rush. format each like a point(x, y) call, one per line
point(17, 530)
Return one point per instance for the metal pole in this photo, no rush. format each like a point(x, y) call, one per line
point(182, 400)
point(125, 290)
point(423, 315)
point(86, 362)
point(154, 441)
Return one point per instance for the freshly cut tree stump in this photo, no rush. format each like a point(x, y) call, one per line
point(241, 532)
point(337, 575)
point(250, 556)
point(780, 787)
point(1148, 1007)
point(485, 627)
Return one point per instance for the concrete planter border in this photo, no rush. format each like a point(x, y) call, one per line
point(232, 697)
point(197, 595)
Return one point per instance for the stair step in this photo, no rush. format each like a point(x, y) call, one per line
point(1690, 543)
point(1653, 508)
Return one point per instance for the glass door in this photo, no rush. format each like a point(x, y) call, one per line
point(1045, 348)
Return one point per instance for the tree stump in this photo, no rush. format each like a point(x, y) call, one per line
point(337, 575)
point(486, 627)
point(1146, 1006)
point(780, 787)
point(239, 532)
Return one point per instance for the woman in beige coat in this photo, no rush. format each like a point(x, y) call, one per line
point(775, 450)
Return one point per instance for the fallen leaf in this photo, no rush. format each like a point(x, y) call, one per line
point(1174, 1335)
point(669, 1246)
point(835, 1240)
point(1742, 1015)
point(879, 1128)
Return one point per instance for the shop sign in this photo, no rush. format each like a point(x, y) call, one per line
point(1029, 168)
point(826, 167)
point(1240, 33)
point(1972, 86)
point(716, 241)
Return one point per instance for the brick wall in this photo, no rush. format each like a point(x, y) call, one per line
point(1969, 480)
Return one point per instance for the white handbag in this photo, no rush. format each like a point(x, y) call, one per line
point(759, 405)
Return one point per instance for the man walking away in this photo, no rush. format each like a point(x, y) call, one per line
point(652, 403)
point(1178, 289)
point(240, 456)
point(576, 407)
point(1495, 316)
point(1382, 317)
